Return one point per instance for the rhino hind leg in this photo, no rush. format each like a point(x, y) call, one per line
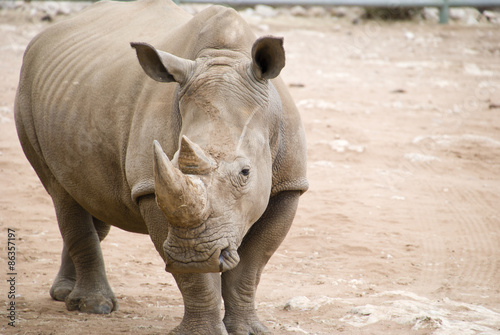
point(81, 281)
point(65, 280)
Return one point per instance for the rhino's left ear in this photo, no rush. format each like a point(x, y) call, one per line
point(162, 66)
point(268, 57)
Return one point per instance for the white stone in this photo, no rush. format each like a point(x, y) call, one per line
point(298, 11)
point(265, 11)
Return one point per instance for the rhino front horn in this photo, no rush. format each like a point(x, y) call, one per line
point(182, 198)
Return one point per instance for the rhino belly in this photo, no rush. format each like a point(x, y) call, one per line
point(86, 159)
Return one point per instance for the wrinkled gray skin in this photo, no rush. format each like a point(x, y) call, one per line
point(208, 158)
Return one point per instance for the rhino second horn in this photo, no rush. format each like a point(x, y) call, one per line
point(192, 159)
point(182, 198)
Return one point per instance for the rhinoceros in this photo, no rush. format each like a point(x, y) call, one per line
point(141, 116)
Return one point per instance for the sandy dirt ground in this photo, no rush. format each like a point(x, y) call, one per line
point(399, 232)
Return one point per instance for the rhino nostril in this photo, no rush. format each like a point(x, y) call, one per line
point(228, 259)
point(225, 254)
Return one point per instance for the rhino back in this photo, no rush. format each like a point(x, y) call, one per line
point(78, 95)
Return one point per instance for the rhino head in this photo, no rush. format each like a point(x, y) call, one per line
point(219, 181)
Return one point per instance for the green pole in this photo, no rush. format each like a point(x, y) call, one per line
point(444, 12)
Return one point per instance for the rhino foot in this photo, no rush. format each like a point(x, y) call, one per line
point(246, 327)
point(207, 329)
point(61, 288)
point(95, 303)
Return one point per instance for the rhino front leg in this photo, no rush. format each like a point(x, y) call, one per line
point(202, 304)
point(66, 277)
point(82, 262)
point(239, 285)
point(201, 292)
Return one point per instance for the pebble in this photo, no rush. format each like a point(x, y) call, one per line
point(5, 115)
point(430, 14)
point(265, 11)
point(491, 16)
point(302, 303)
point(317, 11)
point(298, 11)
point(469, 16)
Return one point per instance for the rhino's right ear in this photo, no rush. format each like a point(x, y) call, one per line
point(268, 57)
point(162, 66)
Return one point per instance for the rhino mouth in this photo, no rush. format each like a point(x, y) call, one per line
point(194, 256)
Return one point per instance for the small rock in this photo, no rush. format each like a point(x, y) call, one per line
point(363, 310)
point(491, 16)
point(47, 18)
point(457, 14)
point(265, 11)
point(297, 85)
point(317, 11)
point(398, 90)
point(248, 12)
point(323, 164)
point(430, 13)
point(5, 112)
point(409, 35)
point(418, 157)
point(300, 303)
point(51, 8)
point(64, 9)
point(295, 329)
point(471, 21)
point(338, 11)
point(7, 4)
point(263, 27)
point(298, 11)
point(340, 145)
point(467, 15)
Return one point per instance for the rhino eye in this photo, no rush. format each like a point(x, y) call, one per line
point(241, 179)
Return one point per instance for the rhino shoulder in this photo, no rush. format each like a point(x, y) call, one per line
point(289, 168)
point(290, 162)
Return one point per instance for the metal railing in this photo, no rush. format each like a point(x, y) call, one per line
point(443, 5)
